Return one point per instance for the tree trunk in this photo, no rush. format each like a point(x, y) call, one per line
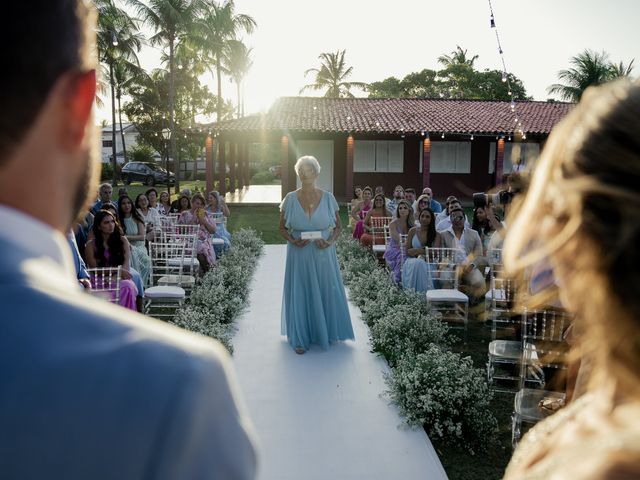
point(238, 86)
point(114, 161)
point(172, 86)
point(219, 75)
point(124, 144)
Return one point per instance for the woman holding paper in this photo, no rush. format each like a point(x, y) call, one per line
point(314, 304)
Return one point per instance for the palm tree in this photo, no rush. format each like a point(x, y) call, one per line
point(332, 75)
point(118, 40)
point(588, 68)
point(171, 21)
point(457, 57)
point(238, 62)
point(622, 70)
point(218, 26)
point(125, 74)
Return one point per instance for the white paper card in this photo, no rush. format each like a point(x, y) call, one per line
point(313, 235)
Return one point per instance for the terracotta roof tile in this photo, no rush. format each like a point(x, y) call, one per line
point(398, 115)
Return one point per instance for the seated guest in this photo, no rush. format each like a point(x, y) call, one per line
point(445, 211)
point(410, 196)
point(398, 194)
point(133, 226)
point(444, 222)
point(359, 212)
point(355, 201)
point(400, 225)
point(150, 215)
point(421, 204)
point(110, 248)
point(486, 223)
point(175, 205)
point(378, 210)
point(80, 267)
point(197, 215)
point(104, 192)
point(164, 203)
point(416, 272)
point(152, 195)
point(433, 203)
point(219, 211)
point(463, 238)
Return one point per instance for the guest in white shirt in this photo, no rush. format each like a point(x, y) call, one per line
point(467, 240)
point(443, 221)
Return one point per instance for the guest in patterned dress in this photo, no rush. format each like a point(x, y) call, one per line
point(219, 211)
point(197, 215)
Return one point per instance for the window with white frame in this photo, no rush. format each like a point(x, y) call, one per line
point(521, 153)
point(378, 155)
point(450, 157)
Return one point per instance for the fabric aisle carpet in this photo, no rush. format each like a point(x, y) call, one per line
point(320, 415)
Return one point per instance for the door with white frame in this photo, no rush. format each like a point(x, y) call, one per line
point(323, 151)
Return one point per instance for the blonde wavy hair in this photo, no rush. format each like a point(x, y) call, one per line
point(581, 214)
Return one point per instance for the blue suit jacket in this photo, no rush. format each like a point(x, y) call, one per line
point(89, 390)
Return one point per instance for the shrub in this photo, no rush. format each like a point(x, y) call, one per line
point(402, 330)
point(220, 297)
point(141, 153)
point(262, 178)
point(107, 171)
point(442, 391)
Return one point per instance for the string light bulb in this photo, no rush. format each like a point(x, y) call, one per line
point(442, 136)
point(114, 39)
point(504, 76)
point(513, 105)
point(493, 21)
point(472, 137)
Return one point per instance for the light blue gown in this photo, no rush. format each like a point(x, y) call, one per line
point(314, 304)
point(416, 273)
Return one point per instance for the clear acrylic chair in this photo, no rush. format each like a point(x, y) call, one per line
point(544, 352)
point(165, 294)
point(446, 298)
point(379, 233)
point(105, 283)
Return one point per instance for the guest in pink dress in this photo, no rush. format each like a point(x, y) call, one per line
point(197, 215)
point(360, 212)
point(110, 248)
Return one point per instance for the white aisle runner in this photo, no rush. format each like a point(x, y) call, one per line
point(320, 415)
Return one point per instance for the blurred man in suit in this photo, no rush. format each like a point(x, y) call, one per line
point(88, 390)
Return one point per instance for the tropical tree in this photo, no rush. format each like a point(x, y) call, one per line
point(218, 26)
point(457, 57)
point(237, 63)
point(587, 68)
point(171, 21)
point(118, 41)
point(332, 75)
point(124, 74)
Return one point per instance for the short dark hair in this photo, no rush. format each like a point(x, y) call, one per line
point(44, 40)
point(410, 190)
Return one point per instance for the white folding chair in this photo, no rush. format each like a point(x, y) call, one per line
point(447, 298)
point(165, 294)
point(105, 283)
point(187, 235)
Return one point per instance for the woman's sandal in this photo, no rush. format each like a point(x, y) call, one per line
point(299, 350)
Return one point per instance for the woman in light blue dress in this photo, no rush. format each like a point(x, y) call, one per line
point(416, 272)
point(135, 231)
point(314, 304)
point(220, 211)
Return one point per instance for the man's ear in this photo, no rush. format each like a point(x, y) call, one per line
point(81, 93)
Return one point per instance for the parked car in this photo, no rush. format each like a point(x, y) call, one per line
point(276, 171)
point(146, 172)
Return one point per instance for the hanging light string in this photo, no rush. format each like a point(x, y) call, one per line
point(517, 127)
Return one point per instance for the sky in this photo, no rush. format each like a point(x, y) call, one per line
point(386, 38)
